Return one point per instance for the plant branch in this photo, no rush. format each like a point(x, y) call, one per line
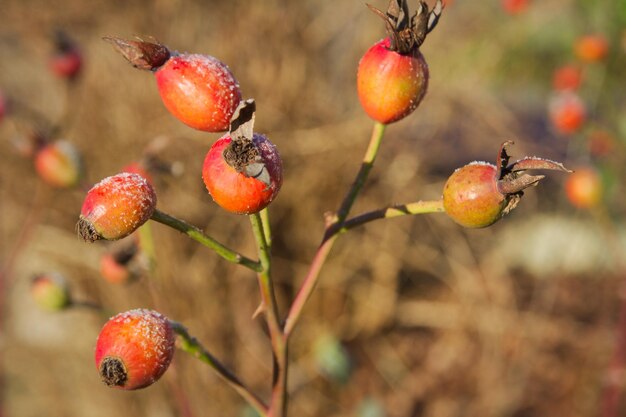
point(199, 236)
point(330, 235)
point(418, 207)
point(192, 346)
point(270, 308)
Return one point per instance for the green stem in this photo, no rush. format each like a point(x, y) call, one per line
point(270, 308)
point(310, 280)
point(418, 207)
point(361, 177)
point(200, 237)
point(191, 345)
point(265, 221)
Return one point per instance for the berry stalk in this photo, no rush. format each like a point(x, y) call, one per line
point(270, 307)
point(199, 236)
point(418, 207)
point(192, 346)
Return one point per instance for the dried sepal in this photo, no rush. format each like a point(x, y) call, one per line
point(407, 33)
point(141, 54)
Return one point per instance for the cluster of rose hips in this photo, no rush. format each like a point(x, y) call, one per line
point(242, 172)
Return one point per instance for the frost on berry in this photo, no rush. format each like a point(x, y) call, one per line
point(116, 207)
point(134, 349)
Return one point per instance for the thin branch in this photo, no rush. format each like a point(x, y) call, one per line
point(200, 237)
point(192, 346)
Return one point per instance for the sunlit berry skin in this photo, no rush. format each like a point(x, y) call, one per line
point(234, 191)
point(391, 85)
point(471, 197)
point(567, 113)
point(116, 207)
point(591, 48)
point(134, 349)
point(584, 188)
point(66, 64)
point(199, 90)
point(59, 164)
point(50, 292)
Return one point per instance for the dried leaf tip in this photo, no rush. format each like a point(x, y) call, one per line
point(141, 54)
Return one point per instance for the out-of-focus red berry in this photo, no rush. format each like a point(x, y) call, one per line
point(116, 207)
point(134, 349)
point(600, 142)
point(514, 7)
point(59, 164)
point(3, 106)
point(584, 188)
point(567, 112)
point(567, 77)
point(138, 168)
point(66, 64)
point(591, 48)
point(67, 60)
point(50, 291)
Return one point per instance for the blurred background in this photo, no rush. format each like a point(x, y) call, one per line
point(413, 316)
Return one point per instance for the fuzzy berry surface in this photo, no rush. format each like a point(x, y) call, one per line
point(59, 164)
point(391, 85)
point(134, 349)
point(116, 207)
point(234, 191)
point(471, 197)
point(199, 90)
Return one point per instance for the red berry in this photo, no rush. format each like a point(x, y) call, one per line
point(471, 197)
point(584, 188)
point(66, 64)
point(567, 112)
point(567, 77)
point(591, 48)
point(199, 90)
point(119, 266)
point(513, 7)
point(50, 292)
point(601, 143)
point(3, 106)
point(391, 85)
point(134, 349)
point(116, 207)
point(393, 75)
point(59, 164)
point(479, 194)
point(231, 187)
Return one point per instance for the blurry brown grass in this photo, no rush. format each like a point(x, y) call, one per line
point(437, 321)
